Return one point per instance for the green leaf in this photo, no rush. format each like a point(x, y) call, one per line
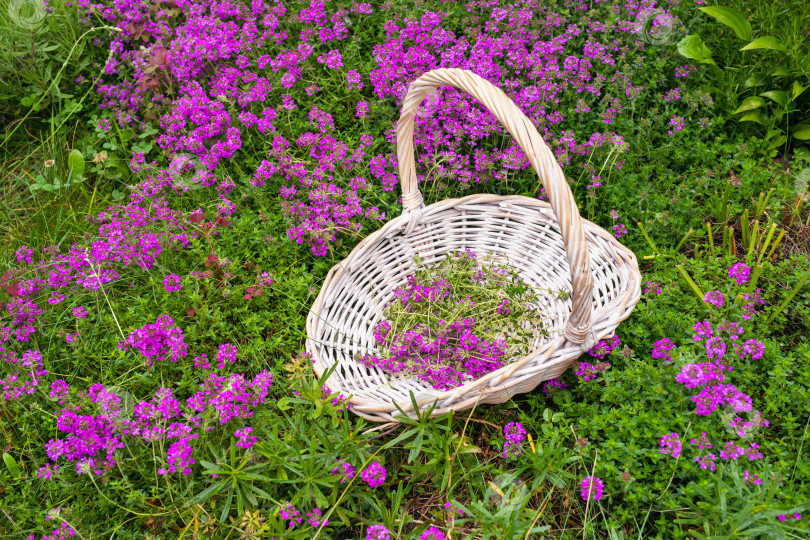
point(284, 404)
point(773, 133)
point(734, 19)
point(801, 132)
point(756, 79)
point(227, 508)
point(778, 96)
point(797, 89)
point(207, 493)
point(259, 491)
point(750, 103)
point(693, 47)
point(11, 465)
point(765, 42)
point(752, 116)
point(76, 162)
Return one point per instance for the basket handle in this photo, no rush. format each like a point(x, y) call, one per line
point(579, 328)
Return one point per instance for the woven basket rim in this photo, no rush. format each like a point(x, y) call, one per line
point(395, 225)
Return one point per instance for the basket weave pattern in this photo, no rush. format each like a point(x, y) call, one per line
point(550, 245)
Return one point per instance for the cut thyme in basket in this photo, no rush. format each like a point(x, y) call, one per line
point(457, 320)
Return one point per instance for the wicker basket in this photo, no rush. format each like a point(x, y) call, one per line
point(549, 245)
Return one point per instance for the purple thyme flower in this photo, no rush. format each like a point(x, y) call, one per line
point(715, 348)
point(378, 532)
point(344, 470)
point(753, 348)
point(653, 287)
point(702, 330)
point(374, 474)
point(362, 109)
point(553, 384)
point(592, 487)
point(291, 513)
point(315, 518)
point(172, 283)
point(158, 341)
point(245, 439)
point(671, 445)
point(225, 354)
point(59, 390)
point(432, 533)
point(752, 478)
point(604, 347)
point(515, 433)
point(714, 298)
point(696, 375)
point(662, 348)
point(589, 371)
point(739, 272)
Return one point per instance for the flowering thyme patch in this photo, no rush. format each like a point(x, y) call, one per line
point(457, 320)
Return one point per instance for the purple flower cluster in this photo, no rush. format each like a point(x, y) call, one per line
point(226, 354)
point(740, 273)
point(64, 532)
point(714, 298)
point(671, 445)
point(653, 287)
point(697, 375)
point(752, 479)
point(619, 229)
point(47, 471)
point(588, 372)
point(604, 347)
point(592, 487)
point(290, 513)
point(338, 401)
point(59, 390)
point(441, 359)
point(709, 378)
point(315, 518)
point(90, 441)
point(344, 470)
point(515, 434)
point(749, 308)
point(27, 372)
point(172, 283)
point(233, 73)
point(432, 533)
point(378, 532)
point(158, 341)
point(127, 235)
point(244, 438)
point(374, 475)
point(91, 433)
point(662, 349)
point(553, 384)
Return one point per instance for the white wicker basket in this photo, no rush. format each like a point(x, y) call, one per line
point(550, 245)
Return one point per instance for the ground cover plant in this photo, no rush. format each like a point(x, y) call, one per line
point(170, 214)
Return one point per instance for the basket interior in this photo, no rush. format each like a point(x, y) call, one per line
point(528, 236)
